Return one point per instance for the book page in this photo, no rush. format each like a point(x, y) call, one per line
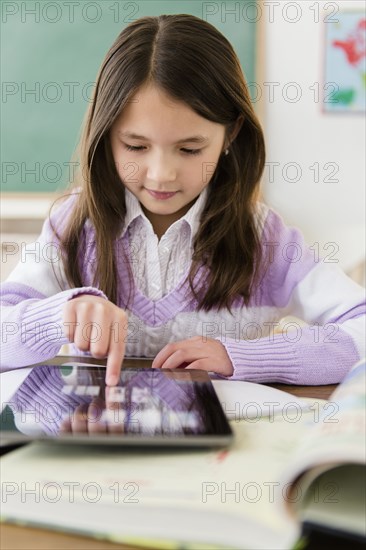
point(338, 434)
point(337, 498)
point(336, 440)
point(221, 497)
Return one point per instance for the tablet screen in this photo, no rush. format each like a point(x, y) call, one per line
point(71, 403)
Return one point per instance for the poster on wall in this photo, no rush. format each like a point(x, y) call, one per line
point(345, 70)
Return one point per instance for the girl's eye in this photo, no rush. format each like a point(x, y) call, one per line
point(133, 148)
point(141, 147)
point(192, 151)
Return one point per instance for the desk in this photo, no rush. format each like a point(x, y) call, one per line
point(25, 538)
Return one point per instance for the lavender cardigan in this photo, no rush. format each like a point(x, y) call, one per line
point(320, 350)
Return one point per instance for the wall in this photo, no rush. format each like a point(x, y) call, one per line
point(331, 214)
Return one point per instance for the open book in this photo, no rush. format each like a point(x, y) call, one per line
point(287, 473)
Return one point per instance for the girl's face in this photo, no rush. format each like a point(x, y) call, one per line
point(165, 154)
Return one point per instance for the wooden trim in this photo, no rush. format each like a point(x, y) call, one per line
point(24, 206)
point(260, 66)
point(260, 71)
point(36, 195)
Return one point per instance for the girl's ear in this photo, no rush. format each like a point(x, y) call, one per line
point(236, 129)
point(233, 132)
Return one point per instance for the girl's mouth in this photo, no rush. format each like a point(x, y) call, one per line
point(161, 195)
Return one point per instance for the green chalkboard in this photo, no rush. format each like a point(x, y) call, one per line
point(51, 53)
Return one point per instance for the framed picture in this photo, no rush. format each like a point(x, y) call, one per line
point(344, 67)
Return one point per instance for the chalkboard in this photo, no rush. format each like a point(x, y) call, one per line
point(51, 53)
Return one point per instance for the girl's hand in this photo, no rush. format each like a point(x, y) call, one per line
point(196, 353)
point(96, 325)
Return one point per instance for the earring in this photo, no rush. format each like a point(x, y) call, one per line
point(226, 152)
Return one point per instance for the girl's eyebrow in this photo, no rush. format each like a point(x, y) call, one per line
point(191, 139)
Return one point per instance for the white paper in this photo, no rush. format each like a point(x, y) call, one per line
point(241, 399)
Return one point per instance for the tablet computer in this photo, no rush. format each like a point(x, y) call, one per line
point(70, 403)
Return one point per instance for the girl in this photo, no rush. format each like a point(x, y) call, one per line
point(162, 248)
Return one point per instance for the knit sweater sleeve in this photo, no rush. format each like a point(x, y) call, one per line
point(33, 296)
point(332, 339)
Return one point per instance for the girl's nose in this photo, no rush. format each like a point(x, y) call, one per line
point(161, 169)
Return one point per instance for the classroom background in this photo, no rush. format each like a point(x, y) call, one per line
point(290, 53)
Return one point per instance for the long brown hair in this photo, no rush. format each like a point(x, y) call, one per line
point(191, 61)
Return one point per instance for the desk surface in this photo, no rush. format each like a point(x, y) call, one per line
point(25, 538)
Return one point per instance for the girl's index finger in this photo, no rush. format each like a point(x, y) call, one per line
point(116, 351)
point(114, 365)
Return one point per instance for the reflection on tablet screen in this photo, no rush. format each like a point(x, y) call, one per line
point(73, 400)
